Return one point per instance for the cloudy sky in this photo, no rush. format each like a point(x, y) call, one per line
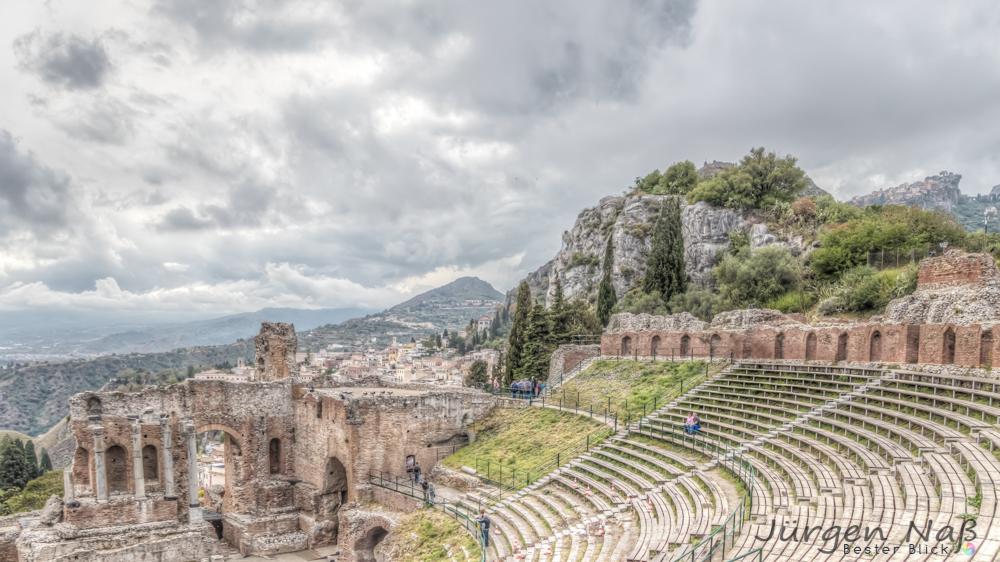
point(225, 155)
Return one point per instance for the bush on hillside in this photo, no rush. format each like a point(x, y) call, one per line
point(756, 277)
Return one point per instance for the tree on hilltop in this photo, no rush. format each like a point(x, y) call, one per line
point(758, 181)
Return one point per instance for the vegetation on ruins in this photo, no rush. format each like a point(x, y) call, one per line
point(758, 181)
point(520, 439)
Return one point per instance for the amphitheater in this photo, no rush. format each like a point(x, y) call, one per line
point(825, 441)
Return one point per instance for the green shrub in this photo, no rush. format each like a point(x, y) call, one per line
point(579, 258)
point(792, 301)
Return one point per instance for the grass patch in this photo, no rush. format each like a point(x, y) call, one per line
point(434, 531)
point(627, 384)
point(521, 439)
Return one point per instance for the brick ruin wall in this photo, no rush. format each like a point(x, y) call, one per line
point(957, 269)
point(296, 452)
point(934, 344)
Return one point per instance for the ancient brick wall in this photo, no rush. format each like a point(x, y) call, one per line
point(275, 348)
point(956, 269)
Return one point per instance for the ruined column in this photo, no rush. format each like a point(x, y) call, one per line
point(168, 460)
point(69, 490)
point(99, 470)
point(194, 507)
point(140, 482)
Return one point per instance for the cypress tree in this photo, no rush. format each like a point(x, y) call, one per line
point(606, 297)
point(517, 332)
point(665, 264)
point(538, 345)
point(560, 312)
point(31, 460)
point(495, 325)
point(46, 463)
point(13, 468)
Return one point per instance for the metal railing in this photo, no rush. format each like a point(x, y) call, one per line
point(585, 339)
point(757, 551)
point(674, 354)
point(408, 489)
point(727, 458)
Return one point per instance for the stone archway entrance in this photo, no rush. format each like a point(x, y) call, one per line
point(685, 345)
point(654, 346)
point(334, 490)
point(223, 474)
point(364, 548)
point(626, 345)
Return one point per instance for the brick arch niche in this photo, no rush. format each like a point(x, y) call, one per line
point(875, 346)
point(811, 346)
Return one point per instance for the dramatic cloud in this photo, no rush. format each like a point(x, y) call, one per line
point(69, 61)
point(224, 155)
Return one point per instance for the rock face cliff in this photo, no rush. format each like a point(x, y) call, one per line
point(940, 191)
point(629, 221)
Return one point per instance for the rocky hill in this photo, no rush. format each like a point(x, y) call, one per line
point(935, 192)
point(34, 398)
point(629, 221)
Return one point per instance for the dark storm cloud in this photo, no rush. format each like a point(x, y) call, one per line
point(67, 61)
point(33, 197)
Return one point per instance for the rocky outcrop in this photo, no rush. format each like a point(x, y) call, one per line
point(940, 192)
point(629, 221)
point(681, 322)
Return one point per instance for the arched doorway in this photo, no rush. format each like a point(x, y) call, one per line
point(274, 456)
point(986, 349)
point(913, 344)
point(811, 346)
point(842, 347)
point(948, 344)
point(334, 489)
point(364, 547)
point(685, 345)
point(654, 346)
point(715, 344)
point(626, 345)
point(779, 346)
point(116, 464)
point(220, 470)
point(876, 347)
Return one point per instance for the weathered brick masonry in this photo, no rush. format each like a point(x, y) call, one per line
point(296, 452)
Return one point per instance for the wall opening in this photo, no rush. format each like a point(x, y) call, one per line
point(654, 346)
point(779, 346)
point(876, 347)
point(82, 468)
point(747, 348)
point(626, 345)
point(150, 464)
point(364, 548)
point(319, 408)
point(986, 348)
point(811, 346)
point(842, 347)
point(913, 344)
point(685, 345)
point(274, 456)
point(94, 406)
point(116, 464)
point(948, 342)
point(220, 465)
point(715, 344)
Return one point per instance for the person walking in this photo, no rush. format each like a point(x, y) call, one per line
point(433, 493)
point(534, 387)
point(484, 526)
point(426, 488)
point(416, 474)
point(513, 390)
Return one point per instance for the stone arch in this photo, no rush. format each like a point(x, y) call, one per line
point(875, 347)
point(150, 463)
point(117, 467)
point(986, 348)
point(811, 346)
point(842, 341)
point(912, 344)
point(94, 407)
point(715, 344)
point(626, 346)
point(779, 346)
point(363, 539)
point(654, 345)
point(232, 433)
point(334, 490)
point(685, 345)
point(948, 347)
point(274, 456)
point(82, 466)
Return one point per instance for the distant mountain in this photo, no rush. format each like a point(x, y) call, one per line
point(456, 292)
point(443, 308)
point(67, 342)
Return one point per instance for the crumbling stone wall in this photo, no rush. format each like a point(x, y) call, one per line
point(275, 348)
point(568, 356)
point(957, 269)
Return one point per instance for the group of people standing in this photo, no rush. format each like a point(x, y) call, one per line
point(525, 388)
